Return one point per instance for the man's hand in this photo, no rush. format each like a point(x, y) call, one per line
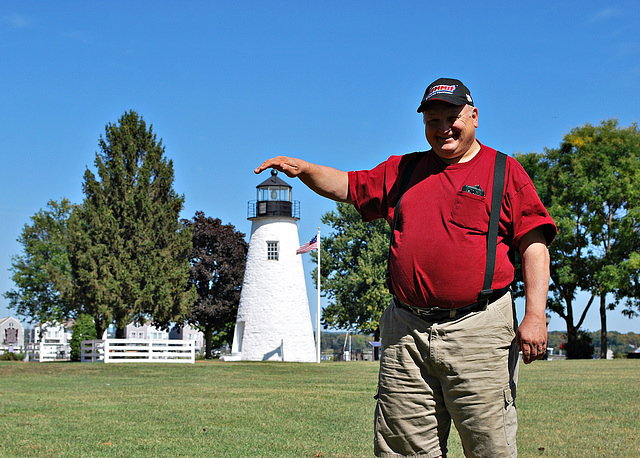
point(290, 166)
point(532, 338)
point(326, 181)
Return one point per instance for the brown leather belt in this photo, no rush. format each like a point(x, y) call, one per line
point(435, 314)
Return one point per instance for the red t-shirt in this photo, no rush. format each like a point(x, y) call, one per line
point(439, 253)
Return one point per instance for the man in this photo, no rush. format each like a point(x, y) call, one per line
point(445, 354)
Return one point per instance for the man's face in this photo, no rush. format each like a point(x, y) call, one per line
point(451, 130)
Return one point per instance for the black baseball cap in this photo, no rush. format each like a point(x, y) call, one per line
point(446, 90)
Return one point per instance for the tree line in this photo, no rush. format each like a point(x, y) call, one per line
point(620, 344)
point(590, 185)
point(339, 341)
point(123, 255)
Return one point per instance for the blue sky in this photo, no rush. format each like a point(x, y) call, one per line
point(229, 84)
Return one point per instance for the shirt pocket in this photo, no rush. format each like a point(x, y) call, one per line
point(470, 212)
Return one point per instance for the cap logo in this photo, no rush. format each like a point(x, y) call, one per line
point(446, 88)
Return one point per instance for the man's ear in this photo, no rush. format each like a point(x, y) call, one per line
point(474, 116)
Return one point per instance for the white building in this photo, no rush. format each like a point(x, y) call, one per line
point(273, 322)
point(149, 332)
point(144, 332)
point(11, 335)
point(189, 333)
point(50, 341)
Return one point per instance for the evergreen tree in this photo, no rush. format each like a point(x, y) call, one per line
point(217, 261)
point(128, 248)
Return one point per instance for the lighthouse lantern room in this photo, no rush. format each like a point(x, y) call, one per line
point(274, 199)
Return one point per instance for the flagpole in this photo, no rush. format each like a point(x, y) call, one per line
point(318, 311)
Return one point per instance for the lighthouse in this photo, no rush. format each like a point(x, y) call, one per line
point(273, 322)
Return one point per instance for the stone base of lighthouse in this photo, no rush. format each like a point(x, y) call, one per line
point(274, 322)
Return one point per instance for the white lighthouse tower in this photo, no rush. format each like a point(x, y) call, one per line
point(273, 320)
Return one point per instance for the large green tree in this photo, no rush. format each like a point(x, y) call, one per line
point(128, 249)
point(353, 266)
point(567, 265)
point(591, 186)
point(42, 273)
point(218, 261)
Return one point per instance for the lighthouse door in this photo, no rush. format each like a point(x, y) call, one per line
point(239, 335)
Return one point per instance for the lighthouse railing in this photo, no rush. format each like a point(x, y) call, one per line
point(272, 208)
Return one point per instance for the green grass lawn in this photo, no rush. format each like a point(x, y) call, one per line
point(565, 408)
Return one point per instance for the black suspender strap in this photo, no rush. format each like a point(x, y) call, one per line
point(494, 218)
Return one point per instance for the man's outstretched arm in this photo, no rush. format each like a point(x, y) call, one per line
point(325, 181)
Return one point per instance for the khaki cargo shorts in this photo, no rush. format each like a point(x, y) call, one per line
point(464, 369)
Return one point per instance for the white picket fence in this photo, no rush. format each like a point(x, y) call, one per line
point(138, 351)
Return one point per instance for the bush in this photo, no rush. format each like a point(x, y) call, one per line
point(83, 329)
point(8, 356)
point(579, 345)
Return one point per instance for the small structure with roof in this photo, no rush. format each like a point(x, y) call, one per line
point(11, 335)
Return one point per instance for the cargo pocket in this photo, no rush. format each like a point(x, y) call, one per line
point(510, 416)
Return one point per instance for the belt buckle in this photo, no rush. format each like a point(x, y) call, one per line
point(434, 312)
point(420, 312)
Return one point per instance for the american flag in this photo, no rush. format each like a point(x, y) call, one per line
point(309, 246)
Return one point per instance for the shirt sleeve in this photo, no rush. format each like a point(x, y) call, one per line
point(525, 206)
point(368, 193)
point(375, 192)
